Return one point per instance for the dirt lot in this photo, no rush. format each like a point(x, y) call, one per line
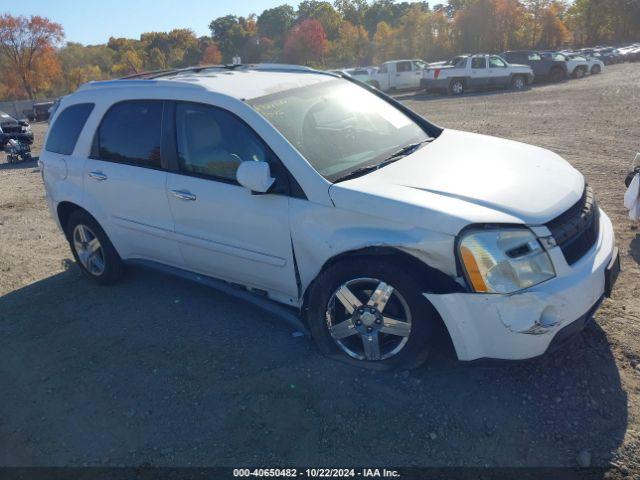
point(158, 370)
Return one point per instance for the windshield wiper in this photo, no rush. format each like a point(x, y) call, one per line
point(403, 152)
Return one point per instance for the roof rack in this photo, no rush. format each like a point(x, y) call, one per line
point(281, 67)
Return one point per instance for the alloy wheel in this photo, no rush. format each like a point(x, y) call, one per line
point(89, 250)
point(368, 319)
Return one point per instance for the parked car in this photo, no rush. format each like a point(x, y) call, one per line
point(41, 111)
point(544, 69)
point(576, 67)
point(594, 64)
point(473, 72)
point(398, 74)
point(364, 74)
point(324, 194)
point(28, 114)
point(12, 129)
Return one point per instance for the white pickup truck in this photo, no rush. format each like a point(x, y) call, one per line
point(475, 72)
point(398, 74)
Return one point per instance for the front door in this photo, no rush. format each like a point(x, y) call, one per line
point(498, 72)
point(479, 73)
point(223, 229)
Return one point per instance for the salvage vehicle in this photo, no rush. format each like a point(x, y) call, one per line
point(475, 72)
point(544, 69)
point(42, 111)
point(594, 64)
point(12, 129)
point(324, 194)
point(577, 67)
point(398, 74)
point(364, 74)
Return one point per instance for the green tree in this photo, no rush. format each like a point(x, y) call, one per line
point(276, 22)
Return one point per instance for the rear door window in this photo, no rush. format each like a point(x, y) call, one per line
point(67, 127)
point(479, 62)
point(131, 133)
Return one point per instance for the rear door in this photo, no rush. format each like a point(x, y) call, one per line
point(125, 184)
point(479, 76)
point(539, 66)
point(404, 74)
point(223, 229)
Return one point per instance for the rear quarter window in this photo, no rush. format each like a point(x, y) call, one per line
point(67, 127)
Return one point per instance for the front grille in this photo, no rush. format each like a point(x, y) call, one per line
point(576, 230)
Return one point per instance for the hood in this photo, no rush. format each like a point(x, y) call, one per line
point(462, 178)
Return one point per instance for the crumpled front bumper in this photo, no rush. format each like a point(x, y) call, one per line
point(523, 325)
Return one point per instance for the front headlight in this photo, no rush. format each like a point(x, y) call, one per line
point(504, 260)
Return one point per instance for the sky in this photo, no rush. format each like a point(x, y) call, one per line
point(92, 22)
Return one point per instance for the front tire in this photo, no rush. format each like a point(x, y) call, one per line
point(595, 70)
point(93, 251)
point(371, 313)
point(518, 82)
point(579, 72)
point(556, 75)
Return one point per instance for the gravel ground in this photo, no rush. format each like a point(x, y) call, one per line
point(160, 371)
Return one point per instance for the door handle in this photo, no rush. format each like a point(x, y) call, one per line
point(99, 176)
point(184, 195)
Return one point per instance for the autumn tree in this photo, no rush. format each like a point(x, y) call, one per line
point(324, 13)
point(307, 43)
point(211, 55)
point(553, 31)
point(383, 43)
point(351, 47)
point(27, 44)
point(352, 11)
point(414, 36)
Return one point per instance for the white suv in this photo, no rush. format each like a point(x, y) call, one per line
point(324, 194)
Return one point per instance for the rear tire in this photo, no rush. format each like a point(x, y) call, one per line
point(595, 70)
point(329, 317)
point(93, 251)
point(579, 72)
point(375, 84)
point(456, 87)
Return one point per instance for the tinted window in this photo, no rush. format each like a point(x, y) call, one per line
point(213, 142)
point(496, 62)
point(67, 127)
point(479, 62)
point(403, 66)
point(130, 132)
point(534, 57)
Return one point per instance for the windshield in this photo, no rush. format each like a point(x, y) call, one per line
point(339, 127)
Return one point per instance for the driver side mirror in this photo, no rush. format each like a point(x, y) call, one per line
point(255, 176)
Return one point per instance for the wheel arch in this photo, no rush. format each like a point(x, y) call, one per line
point(65, 209)
point(430, 279)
